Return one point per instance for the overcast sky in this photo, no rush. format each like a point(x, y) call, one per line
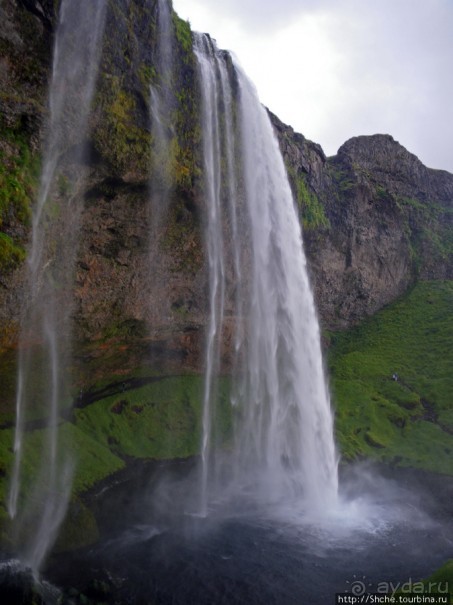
point(334, 69)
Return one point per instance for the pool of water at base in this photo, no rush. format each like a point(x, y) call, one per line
point(374, 541)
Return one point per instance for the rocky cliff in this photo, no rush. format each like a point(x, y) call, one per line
point(25, 54)
point(375, 219)
point(116, 296)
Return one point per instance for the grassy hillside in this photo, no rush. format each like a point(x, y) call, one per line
point(150, 417)
point(408, 421)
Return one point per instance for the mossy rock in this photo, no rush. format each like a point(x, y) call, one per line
point(8, 373)
point(160, 419)
point(19, 174)
point(79, 528)
point(311, 210)
point(441, 581)
point(118, 138)
point(182, 238)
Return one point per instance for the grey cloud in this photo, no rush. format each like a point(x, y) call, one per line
point(403, 51)
point(395, 67)
point(265, 15)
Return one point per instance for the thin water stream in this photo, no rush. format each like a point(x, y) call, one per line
point(38, 500)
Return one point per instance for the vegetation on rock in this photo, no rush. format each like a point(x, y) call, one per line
point(312, 211)
point(19, 170)
point(442, 578)
point(150, 417)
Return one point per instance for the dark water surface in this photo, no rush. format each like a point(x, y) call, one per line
point(386, 532)
point(242, 561)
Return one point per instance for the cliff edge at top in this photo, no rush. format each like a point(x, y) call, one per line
point(376, 220)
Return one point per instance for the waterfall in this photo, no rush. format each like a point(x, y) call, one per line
point(212, 157)
point(283, 441)
point(288, 424)
point(161, 101)
point(38, 498)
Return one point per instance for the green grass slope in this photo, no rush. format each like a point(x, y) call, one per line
point(408, 421)
point(158, 418)
point(441, 581)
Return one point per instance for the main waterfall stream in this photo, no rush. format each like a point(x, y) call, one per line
point(283, 442)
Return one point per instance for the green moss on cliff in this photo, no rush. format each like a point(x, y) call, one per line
point(409, 420)
point(6, 460)
point(183, 35)
point(144, 422)
point(161, 419)
point(10, 253)
point(19, 172)
point(79, 527)
point(428, 227)
point(313, 214)
point(344, 179)
point(126, 146)
point(93, 461)
point(311, 210)
point(123, 134)
point(185, 115)
point(8, 373)
point(146, 74)
point(158, 420)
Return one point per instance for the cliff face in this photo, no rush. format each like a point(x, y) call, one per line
point(386, 222)
point(375, 219)
point(25, 50)
point(117, 296)
point(136, 282)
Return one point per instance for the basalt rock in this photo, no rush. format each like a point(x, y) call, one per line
point(25, 52)
point(116, 296)
point(388, 222)
point(43, 9)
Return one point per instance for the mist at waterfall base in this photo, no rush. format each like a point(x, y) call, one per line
point(385, 532)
